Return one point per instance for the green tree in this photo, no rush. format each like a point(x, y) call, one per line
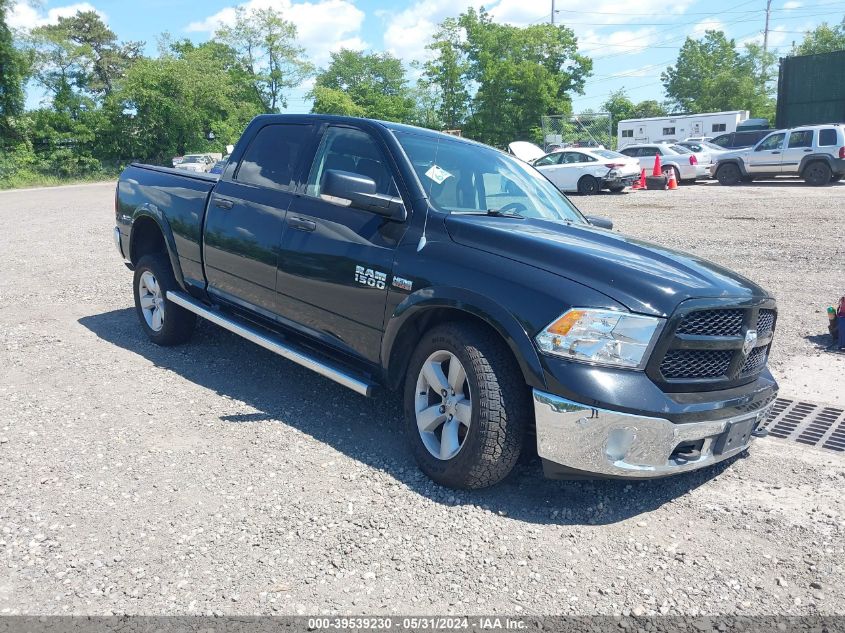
point(446, 73)
point(82, 55)
point(822, 39)
point(619, 107)
point(332, 101)
point(13, 73)
point(268, 49)
point(648, 108)
point(712, 75)
point(374, 82)
point(515, 75)
point(168, 105)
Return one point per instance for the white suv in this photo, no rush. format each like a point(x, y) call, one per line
point(816, 153)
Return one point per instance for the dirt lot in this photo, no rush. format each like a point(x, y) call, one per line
point(217, 478)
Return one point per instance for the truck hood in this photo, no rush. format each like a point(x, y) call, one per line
point(643, 277)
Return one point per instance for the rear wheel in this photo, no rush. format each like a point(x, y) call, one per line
point(165, 323)
point(466, 407)
point(729, 175)
point(668, 170)
point(817, 173)
point(588, 185)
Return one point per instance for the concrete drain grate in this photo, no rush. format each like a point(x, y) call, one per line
point(808, 423)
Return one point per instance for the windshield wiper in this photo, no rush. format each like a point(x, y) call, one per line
point(504, 214)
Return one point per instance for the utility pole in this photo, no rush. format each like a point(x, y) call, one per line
point(765, 40)
point(553, 11)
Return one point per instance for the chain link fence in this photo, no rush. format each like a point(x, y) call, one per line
point(591, 129)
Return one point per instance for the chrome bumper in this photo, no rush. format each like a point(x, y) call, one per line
point(577, 439)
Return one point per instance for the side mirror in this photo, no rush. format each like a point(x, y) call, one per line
point(602, 223)
point(346, 189)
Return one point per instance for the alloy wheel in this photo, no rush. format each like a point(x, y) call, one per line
point(443, 405)
point(152, 301)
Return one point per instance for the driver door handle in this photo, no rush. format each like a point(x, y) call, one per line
point(223, 203)
point(301, 224)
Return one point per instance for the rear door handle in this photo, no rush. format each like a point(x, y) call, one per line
point(808, 149)
point(776, 152)
point(301, 224)
point(223, 203)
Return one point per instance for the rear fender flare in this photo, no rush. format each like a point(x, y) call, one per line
point(152, 212)
point(474, 305)
point(812, 158)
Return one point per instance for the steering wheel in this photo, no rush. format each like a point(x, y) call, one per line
point(518, 207)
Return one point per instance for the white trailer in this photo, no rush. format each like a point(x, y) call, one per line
point(678, 127)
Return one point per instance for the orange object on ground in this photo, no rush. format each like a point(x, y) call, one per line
point(673, 183)
point(641, 183)
point(657, 169)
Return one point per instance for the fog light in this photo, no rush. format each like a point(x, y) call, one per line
point(619, 443)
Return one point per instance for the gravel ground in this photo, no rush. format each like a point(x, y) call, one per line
point(217, 478)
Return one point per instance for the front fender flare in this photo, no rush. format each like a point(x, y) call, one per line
point(735, 161)
point(151, 211)
point(482, 307)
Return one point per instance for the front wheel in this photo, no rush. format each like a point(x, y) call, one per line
point(466, 407)
point(817, 173)
point(165, 323)
point(588, 186)
point(729, 175)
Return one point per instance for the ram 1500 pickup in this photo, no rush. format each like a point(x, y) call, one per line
point(386, 256)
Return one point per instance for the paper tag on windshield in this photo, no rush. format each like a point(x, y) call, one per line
point(437, 174)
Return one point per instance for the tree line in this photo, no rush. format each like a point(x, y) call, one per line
point(107, 103)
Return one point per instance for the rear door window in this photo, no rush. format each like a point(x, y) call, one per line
point(827, 137)
point(649, 151)
point(633, 152)
point(801, 138)
point(274, 155)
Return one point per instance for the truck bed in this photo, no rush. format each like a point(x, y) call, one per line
point(176, 200)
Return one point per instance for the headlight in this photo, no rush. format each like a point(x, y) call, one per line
point(605, 337)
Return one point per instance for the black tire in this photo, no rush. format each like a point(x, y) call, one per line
point(729, 175)
point(500, 407)
point(588, 186)
point(177, 324)
point(818, 173)
point(616, 189)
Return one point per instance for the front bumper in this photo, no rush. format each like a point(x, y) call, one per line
point(577, 440)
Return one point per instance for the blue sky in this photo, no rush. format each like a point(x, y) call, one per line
point(630, 42)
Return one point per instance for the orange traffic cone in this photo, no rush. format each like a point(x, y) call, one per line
point(673, 184)
point(657, 169)
point(641, 183)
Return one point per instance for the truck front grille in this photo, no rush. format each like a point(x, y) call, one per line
point(702, 348)
point(712, 323)
point(695, 363)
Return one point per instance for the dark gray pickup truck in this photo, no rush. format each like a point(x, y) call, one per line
point(386, 256)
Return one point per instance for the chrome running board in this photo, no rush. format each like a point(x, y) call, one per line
point(251, 333)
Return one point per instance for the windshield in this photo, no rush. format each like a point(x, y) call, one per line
point(681, 149)
point(606, 153)
point(191, 159)
point(460, 177)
